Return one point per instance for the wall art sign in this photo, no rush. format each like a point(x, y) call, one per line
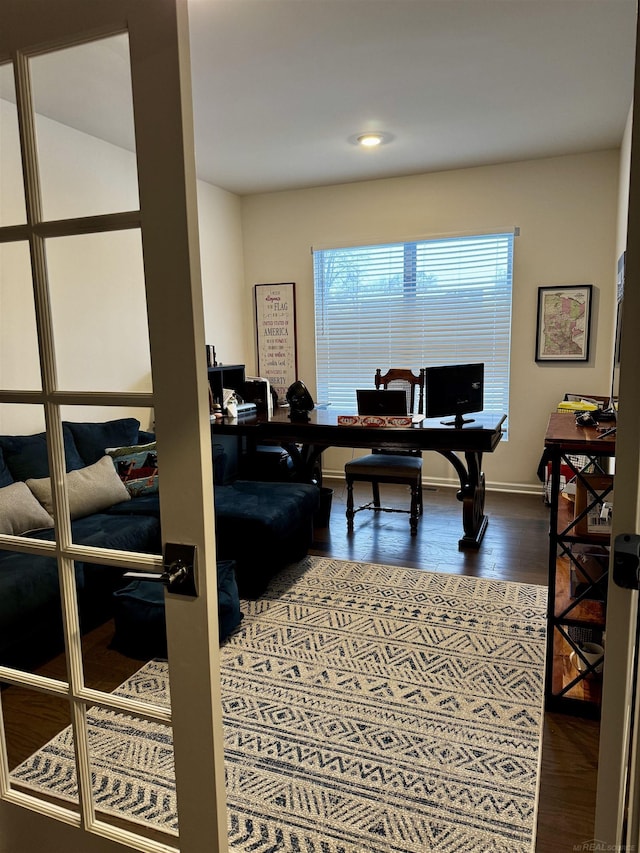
point(276, 335)
point(564, 323)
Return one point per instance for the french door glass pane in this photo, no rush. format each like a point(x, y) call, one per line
point(31, 612)
point(19, 365)
point(99, 312)
point(12, 206)
point(17, 419)
point(31, 720)
point(132, 765)
point(82, 99)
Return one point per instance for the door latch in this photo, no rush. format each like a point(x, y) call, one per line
point(179, 575)
point(626, 561)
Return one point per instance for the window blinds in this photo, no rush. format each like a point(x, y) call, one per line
point(413, 305)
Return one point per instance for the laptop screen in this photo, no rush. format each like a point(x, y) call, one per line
point(374, 402)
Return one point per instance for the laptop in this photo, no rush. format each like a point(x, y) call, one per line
point(374, 402)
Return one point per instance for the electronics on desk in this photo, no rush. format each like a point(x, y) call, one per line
point(300, 401)
point(375, 401)
point(233, 407)
point(246, 410)
point(257, 391)
point(454, 390)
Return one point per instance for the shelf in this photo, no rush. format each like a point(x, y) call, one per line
point(574, 548)
point(565, 516)
point(589, 611)
point(225, 376)
point(567, 510)
point(589, 686)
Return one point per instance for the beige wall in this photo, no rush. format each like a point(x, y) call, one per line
point(566, 209)
point(98, 300)
point(226, 326)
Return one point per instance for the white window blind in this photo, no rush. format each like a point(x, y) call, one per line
point(413, 305)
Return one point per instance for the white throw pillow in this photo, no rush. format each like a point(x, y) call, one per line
point(20, 511)
point(90, 489)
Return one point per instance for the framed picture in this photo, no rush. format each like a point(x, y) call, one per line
point(564, 323)
point(276, 335)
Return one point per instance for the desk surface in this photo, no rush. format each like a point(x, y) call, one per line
point(322, 428)
point(563, 432)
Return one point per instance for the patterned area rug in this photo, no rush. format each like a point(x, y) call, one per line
point(367, 708)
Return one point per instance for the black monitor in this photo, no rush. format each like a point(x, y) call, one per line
point(374, 401)
point(454, 390)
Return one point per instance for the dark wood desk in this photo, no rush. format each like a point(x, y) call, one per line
point(565, 434)
point(306, 440)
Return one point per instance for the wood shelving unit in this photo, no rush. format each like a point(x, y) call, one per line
point(578, 566)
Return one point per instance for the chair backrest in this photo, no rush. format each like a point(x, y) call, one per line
point(407, 380)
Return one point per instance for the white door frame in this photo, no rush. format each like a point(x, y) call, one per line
point(160, 66)
point(618, 798)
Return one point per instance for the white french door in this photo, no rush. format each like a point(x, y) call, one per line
point(617, 824)
point(73, 248)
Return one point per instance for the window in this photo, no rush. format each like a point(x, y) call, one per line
point(430, 302)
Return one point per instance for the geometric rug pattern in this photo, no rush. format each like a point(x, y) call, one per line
point(366, 708)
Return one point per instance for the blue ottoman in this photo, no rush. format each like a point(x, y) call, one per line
point(263, 527)
point(138, 612)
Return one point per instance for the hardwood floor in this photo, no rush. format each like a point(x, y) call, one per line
point(515, 546)
point(514, 549)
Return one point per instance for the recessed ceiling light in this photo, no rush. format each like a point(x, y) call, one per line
point(371, 139)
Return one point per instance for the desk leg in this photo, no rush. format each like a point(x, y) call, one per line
point(471, 494)
point(306, 462)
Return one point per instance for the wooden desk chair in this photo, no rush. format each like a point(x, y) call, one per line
point(400, 467)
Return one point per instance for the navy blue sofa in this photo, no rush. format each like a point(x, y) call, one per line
point(260, 526)
point(30, 607)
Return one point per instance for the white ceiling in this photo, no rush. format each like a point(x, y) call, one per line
point(281, 85)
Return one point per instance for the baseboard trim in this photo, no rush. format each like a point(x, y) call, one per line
point(450, 483)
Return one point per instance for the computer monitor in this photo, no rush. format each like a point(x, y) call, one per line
point(374, 401)
point(454, 390)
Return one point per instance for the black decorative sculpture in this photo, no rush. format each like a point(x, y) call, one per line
point(300, 401)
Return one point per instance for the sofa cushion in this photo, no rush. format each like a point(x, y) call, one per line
point(141, 505)
point(149, 502)
point(90, 489)
point(92, 439)
point(20, 511)
point(137, 467)
point(121, 533)
point(278, 507)
point(26, 455)
point(5, 474)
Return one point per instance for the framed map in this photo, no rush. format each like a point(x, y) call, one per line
point(564, 323)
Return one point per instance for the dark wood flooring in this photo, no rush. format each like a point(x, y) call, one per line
point(514, 548)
